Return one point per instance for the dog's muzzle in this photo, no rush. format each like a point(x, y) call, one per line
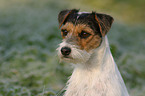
point(69, 52)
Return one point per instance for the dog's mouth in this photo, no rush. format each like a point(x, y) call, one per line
point(66, 57)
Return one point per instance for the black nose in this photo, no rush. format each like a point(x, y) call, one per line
point(65, 51)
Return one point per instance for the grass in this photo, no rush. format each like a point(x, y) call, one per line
point(29, 35)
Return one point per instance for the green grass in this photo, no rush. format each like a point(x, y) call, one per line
point(29, 36)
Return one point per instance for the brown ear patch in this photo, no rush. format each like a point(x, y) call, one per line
point(65, 16)
point(62, 16)
point(96, 18)
point(104, 21)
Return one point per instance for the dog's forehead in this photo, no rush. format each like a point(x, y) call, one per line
point(80, 17)
point(84, 18)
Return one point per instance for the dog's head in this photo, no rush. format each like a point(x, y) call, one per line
point(81, 32)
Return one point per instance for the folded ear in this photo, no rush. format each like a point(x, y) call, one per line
point(104, 21)
point(62, 16)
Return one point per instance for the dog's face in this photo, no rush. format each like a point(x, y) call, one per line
point(81, 33)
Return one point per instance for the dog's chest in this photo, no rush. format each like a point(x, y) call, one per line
point(91, 83)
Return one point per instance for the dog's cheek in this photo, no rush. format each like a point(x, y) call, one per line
point(83, 43)
point(93, 43)
point(96, 41)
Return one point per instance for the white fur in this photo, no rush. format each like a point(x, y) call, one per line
point(76, 55)
point(82, 12)
point(96, 74)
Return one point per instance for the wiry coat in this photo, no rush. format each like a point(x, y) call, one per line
point(86, 45)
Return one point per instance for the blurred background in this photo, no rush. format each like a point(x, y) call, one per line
point(29, 36)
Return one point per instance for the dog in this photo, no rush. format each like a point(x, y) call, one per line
point(85, 44)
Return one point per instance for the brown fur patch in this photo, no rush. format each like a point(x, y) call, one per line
point(91, 42)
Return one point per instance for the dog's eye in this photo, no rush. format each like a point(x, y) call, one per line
point(84, 34)
point(64, 32)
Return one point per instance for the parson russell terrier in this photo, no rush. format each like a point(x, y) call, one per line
point(85, 44)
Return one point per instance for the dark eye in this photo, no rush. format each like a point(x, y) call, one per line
point(84, 34)
point(64, 32)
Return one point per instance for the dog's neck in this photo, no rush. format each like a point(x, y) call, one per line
point(99, 76)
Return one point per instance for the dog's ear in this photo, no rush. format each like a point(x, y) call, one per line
point(62, 16)
point(104, 21)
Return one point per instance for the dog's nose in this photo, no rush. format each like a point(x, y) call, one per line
point(65, 51)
